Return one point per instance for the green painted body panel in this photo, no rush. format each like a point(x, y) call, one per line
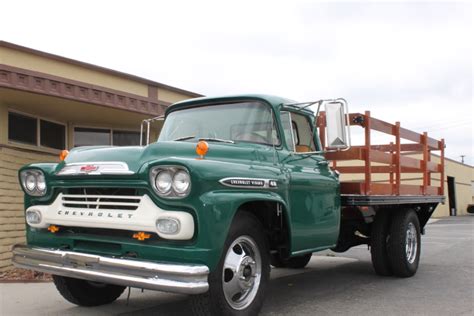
point(308, 192)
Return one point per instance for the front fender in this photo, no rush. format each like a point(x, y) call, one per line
point(218, 211)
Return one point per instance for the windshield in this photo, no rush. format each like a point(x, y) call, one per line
point(238, 122)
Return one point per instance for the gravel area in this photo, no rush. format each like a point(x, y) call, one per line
point(24, 276)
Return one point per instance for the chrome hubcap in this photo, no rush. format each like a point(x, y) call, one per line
point(411, 243)
point(242, 272)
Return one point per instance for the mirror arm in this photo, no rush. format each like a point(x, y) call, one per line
point(148, 123)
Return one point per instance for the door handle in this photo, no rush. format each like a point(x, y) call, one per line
point(323, 163)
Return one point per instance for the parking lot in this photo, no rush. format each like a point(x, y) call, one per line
point(338, 284)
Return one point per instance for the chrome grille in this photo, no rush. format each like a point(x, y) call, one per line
point(113, 199)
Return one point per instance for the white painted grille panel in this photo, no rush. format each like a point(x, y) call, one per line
point(143, 218)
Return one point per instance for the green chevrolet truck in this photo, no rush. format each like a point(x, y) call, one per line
point(232, 186)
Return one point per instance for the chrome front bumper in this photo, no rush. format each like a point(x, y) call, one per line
point(177, 278)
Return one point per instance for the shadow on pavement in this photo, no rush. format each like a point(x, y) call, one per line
point(288, 292)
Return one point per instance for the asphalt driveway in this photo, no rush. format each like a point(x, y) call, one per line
point(337, 284)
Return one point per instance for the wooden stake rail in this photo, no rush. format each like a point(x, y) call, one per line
point(392, 157)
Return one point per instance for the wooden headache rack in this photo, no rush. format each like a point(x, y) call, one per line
point(382, 168)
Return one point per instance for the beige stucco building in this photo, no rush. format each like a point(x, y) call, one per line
point(49, 103)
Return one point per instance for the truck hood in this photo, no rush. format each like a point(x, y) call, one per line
point(136, 156)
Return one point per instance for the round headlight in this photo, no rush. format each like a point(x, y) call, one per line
point(30, 182)
point(181, 182)
point(41, 183)
point(33, 182)
point(163, 181)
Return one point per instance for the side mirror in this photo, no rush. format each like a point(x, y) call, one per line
point(337, 125)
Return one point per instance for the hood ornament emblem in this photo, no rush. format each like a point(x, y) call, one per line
point(95, 168)
point(88, 168)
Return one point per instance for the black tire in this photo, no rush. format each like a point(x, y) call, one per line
point(379, 238)
point(85, 293)
point(214, 302)
point(404, 263)
point(298, 262)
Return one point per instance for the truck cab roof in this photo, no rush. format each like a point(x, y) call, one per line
point(275, 102)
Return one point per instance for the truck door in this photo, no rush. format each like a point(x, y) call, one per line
point(313, 191)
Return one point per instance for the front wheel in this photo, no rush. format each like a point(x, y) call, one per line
point(237, 285)
point(87, 293)
point(404, 245)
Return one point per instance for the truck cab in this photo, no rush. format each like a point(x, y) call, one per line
point(231, 186)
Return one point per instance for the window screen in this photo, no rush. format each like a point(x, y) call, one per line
point(52, 135)
point(22, 129)
point(91, 137)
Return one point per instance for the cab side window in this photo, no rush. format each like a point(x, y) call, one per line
point(298, 132)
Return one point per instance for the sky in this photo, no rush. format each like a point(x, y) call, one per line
point(404, 61)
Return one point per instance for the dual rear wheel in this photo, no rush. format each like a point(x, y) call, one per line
point(395, 243)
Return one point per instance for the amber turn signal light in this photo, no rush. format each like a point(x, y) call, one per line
point(202, 148)
point(63, 154)
point(53, 228)
point(141, 236)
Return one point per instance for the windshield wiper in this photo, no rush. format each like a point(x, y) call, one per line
point(218, 140)
point(209, 139)
point(183, 138)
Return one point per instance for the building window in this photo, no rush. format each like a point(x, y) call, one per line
point(96, 137)
point(124, 138)
point(91, 137)
point(22, 129)
point(34, 131)
point(52, 135)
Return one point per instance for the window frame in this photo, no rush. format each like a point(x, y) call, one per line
point(314, 137)
point(110, 129)
point(274, 115)
point(38, 119)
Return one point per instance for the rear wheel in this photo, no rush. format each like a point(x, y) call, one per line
point(379, 238)
point(87, 293)
point(298, 262)
point(237, 285)
point(404, 245)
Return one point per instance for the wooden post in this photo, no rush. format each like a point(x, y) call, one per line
point(429, 172)
point(424, 142)
point(441, 176)
point(398, 168)
point(368, 175)
point(391, 168)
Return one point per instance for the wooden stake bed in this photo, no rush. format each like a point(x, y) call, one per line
point(391, 159)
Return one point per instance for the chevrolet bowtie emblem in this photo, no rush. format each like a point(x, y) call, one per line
point(88, 168)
